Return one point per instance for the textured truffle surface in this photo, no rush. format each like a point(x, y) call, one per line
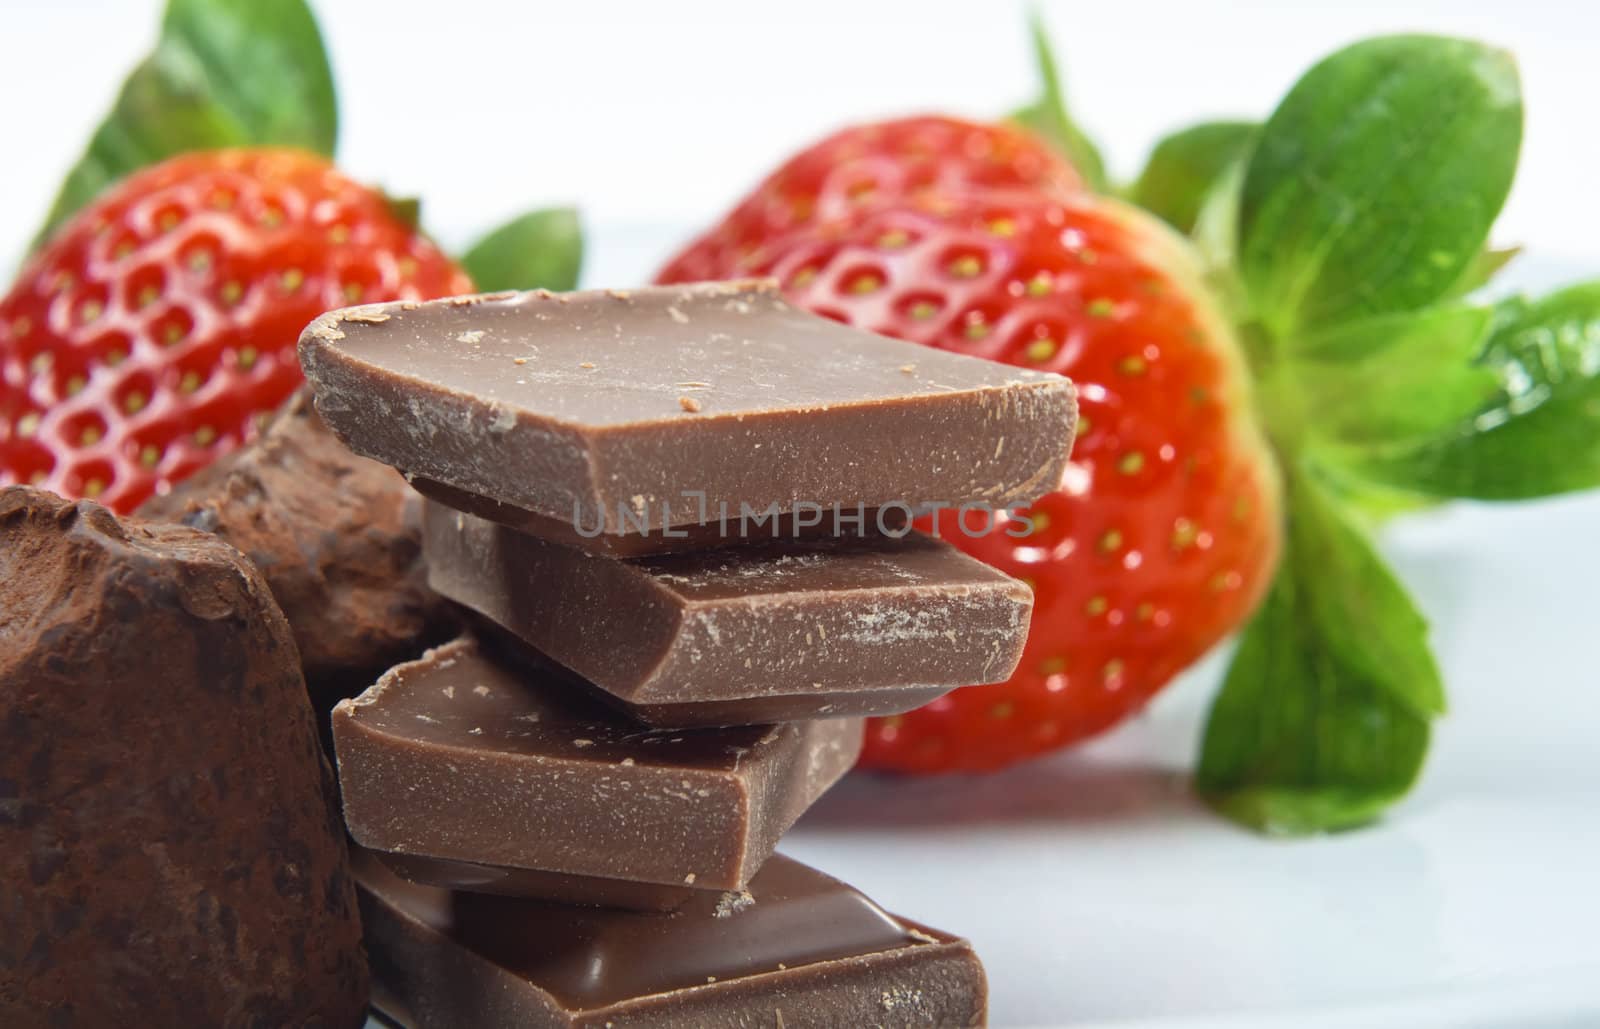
point(335, 535)
point(170, 850)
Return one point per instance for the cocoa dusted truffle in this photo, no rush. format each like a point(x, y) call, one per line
point(335, 535)
point(169, 842)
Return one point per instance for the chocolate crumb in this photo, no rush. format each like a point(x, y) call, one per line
point(732, 902)
point(368, 315)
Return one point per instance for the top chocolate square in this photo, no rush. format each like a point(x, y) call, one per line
point(610, 413)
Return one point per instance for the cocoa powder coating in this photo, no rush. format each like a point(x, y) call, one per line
point(170, 849)
point(336, 536)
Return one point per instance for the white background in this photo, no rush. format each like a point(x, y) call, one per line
point(667, 110)
point(1093, 886)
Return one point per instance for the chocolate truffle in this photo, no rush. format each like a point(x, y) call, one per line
point(169, 841)
point(336, 536)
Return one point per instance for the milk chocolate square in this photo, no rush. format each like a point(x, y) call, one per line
point(639, 412)
point(772, 632)
point(462, 757)
point(796, 950)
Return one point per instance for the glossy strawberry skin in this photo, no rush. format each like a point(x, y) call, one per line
point(881, 163)
point(152, 331)
point(1164, 534)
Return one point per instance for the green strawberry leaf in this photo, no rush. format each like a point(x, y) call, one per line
point(1483, 269)
point(407, 210)
point(539, 249)
point(1462, 328)
point(1048, 116)
point(1540, 434)
point(223, 73)
point(1216, 236)
point(1186, 167)
point(1373, 185)
point(1323, 720)
point(1371, 504)
point(1394, 377)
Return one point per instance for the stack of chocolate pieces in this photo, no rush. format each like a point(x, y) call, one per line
point(676, 517)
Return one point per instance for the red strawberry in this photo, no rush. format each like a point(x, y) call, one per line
point(880, 163)
point(153, 329)
point(1166, 531)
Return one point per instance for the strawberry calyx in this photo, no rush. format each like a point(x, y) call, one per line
point(1343, 235)
point(1380, 389)
point(1049, 116)
point(1280, 396)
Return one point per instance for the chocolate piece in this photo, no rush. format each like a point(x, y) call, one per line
point(525, 882)
point(334, 535)
point(775, 631)
point(797, 949)
point(169, 841)
point(635, 412)
point(461, 757)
